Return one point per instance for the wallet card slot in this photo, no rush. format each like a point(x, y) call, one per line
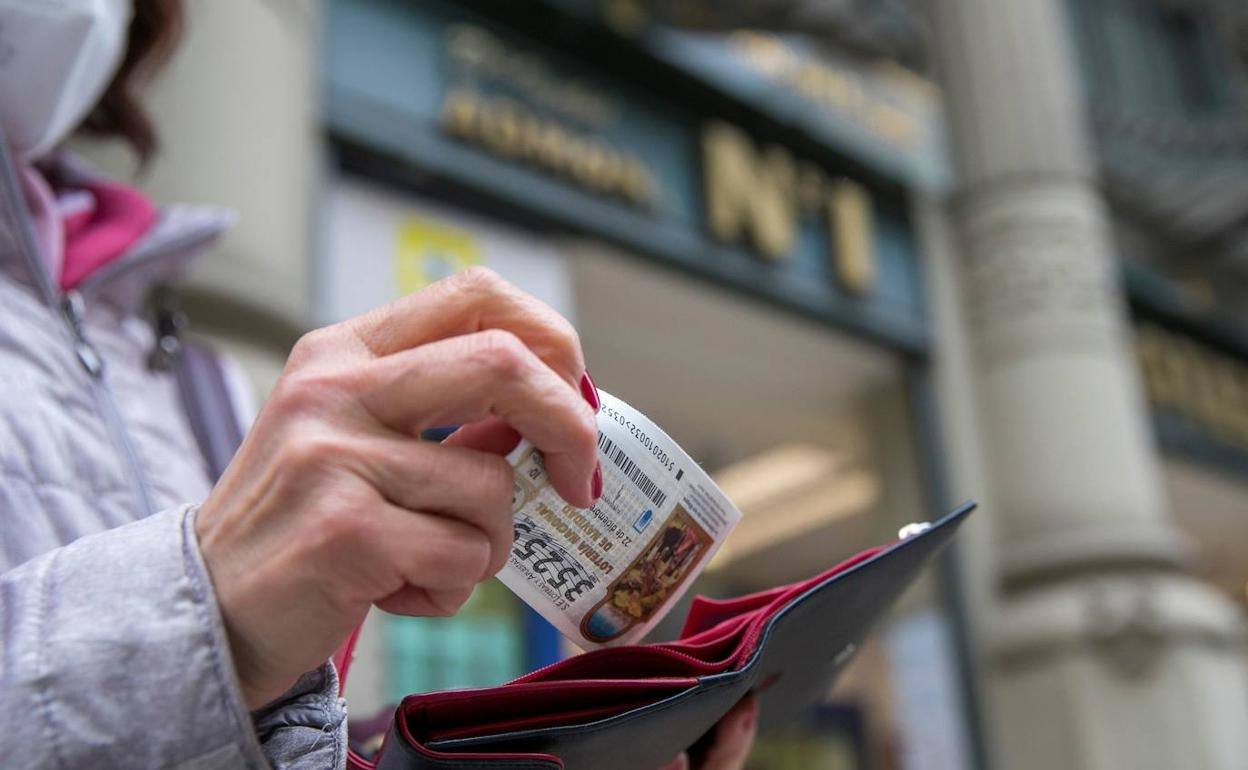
point(622, 663)
point(725, 631)
point(716, 646)
point(676, 721)
point(706, 614)
point(409, 747)
point(451, 710)
point(573, 717)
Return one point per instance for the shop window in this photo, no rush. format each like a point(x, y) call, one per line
point(1091, 28)
point(1151, 58)
point(1189, 44)
point(482, 645)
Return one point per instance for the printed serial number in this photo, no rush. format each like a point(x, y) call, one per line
point(657, 451)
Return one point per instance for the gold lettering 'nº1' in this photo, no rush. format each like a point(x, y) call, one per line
point(757, 196)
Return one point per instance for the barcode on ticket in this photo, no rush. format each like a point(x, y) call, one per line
point(630, 469)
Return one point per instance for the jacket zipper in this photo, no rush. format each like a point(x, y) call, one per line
point(93, 364)
point(71, 310)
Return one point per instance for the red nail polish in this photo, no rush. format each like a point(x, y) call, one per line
point(595, 484)
point(590, 392)
point(747, 724)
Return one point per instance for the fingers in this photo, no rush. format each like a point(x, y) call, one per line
point(681, 762)
point(416, 601)
point(734, 737)
point(493, 373)
point(471, 301)
point(489, 435)
point(471, 486)
point(442, 555)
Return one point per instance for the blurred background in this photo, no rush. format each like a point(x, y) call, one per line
point(862, 259)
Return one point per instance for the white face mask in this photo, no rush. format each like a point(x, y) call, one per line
point(56, 59)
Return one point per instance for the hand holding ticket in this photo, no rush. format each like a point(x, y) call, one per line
point(607, 574)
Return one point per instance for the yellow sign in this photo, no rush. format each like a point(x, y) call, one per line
point(758, 195)
point(427, 251)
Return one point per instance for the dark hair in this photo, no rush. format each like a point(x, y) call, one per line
point(155, 30)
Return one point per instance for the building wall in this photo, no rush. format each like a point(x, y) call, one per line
point(237, 113)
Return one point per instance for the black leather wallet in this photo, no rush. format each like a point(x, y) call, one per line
point(623, 708)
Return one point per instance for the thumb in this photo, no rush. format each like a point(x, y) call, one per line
point(734, 737)
point(489, 435)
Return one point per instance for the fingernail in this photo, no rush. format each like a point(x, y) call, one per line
point(681, 762)
point(595, 483)
point(590, 392)
point(747, 724)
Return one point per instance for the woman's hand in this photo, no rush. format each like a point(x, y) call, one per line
point(332, 505)
point(734, 737)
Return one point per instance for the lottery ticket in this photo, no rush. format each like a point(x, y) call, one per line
point(605, 575)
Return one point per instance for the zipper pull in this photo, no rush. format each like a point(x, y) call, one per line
point(169, 321)
point(72, 308)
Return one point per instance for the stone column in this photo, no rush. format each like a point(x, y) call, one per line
point(1103, 652)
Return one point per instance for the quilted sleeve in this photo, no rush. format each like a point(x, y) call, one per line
point(113, 655)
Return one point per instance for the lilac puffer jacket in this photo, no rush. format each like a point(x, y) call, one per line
point(112, 648)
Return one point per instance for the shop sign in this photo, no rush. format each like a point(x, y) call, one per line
point(1204, 387)
point(511, 131)
point(550, 124)
point(755, 196)
point(458, 96)
point(889, 116)
point(760, 195)
point(838, 88)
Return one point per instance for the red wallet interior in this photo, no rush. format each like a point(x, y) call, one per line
point(719, 635)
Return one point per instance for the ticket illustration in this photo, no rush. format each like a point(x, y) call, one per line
point(606, 574)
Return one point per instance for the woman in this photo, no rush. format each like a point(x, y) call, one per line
point(138, 628)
